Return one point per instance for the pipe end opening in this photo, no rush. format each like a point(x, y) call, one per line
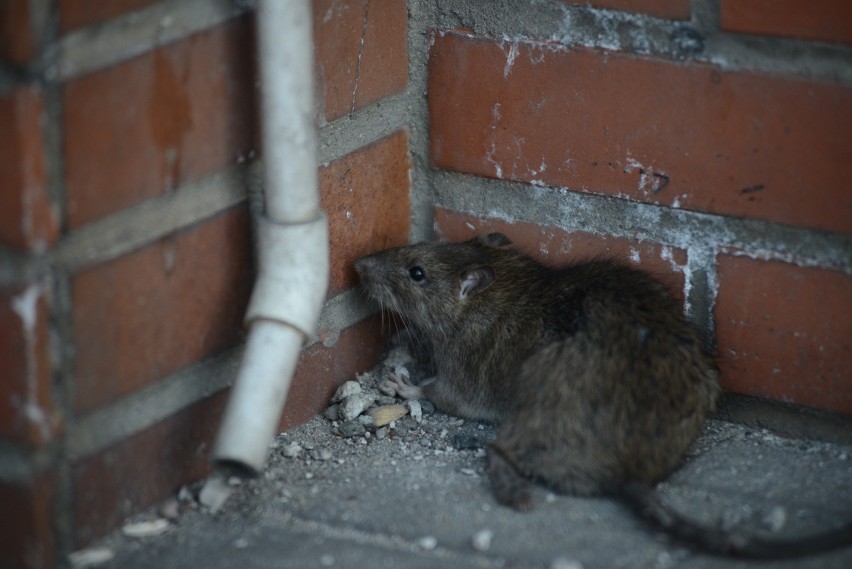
point(230, 467)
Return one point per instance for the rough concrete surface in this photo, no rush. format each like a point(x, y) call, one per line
point(417, 499)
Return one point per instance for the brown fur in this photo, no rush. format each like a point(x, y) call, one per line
point(592, 369)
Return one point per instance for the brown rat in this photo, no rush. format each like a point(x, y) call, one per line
point(597, 379)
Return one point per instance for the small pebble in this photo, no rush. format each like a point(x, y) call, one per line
point(354, 405)
point(235, 481)
point(351, 429)
point(291, 450)
point(308, 445)
point(331, 412)
point(367, 421)
point(170, 509)
point(405, 426)
point(466, 442)
point(565, 563)
point(427, 406)
point(428, 543)
point(468, 471)
point(348, 389)
point(482, 540)
point(327, 560)
point(241, 543)
point(382, 433)
point(325, 454)
point(185, 494)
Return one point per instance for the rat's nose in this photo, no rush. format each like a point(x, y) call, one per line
point(368, 266)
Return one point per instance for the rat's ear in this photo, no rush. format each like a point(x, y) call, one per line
point(496, 240)
point(474, 281)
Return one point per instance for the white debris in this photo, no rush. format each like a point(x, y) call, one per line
point(146, 529)
point(91, 557)
point(416, 410)
point(564, 563)
point(482, 540)
point(215, 493)
point(291, 450)
point(776, 519)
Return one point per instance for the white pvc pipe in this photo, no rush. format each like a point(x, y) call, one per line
point(293, 243)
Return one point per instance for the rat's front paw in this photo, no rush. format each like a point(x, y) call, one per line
point(403, 386)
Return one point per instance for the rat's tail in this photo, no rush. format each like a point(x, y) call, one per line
point(646, 502)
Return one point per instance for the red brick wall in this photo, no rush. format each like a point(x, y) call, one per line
point(126, 242)
point(725, 171)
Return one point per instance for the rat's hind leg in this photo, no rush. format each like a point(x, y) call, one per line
point(562, 431)
point(510, 487)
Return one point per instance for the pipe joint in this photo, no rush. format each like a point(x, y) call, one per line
point(293, 274)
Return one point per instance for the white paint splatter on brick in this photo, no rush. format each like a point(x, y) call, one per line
point(635, 257)
point(498, 168)
point(25, 305)
point(511, 55)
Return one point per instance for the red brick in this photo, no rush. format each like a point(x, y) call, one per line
point(820, 20)
point(322, 369)
point(144, 469)
point(147, 314)
point(27, 411)
point(17, 42)
point(27, 220)
point(673, 9)
point(557, 247)
point(695, 137)
point(383, 69)
point(365, 195)
point(78, 13)
point(149, 466)
point(784, 332)
point(141, 128)
point(362, 52)
point(26, 526)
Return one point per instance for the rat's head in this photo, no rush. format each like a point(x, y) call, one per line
point(430, 284)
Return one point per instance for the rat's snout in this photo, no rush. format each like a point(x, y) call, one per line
point(370, 267)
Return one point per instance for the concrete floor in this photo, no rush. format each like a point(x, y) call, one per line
point(419, 500)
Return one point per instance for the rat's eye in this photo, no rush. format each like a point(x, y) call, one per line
point(417, 274)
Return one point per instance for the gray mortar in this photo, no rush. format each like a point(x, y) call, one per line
point(698, 39)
